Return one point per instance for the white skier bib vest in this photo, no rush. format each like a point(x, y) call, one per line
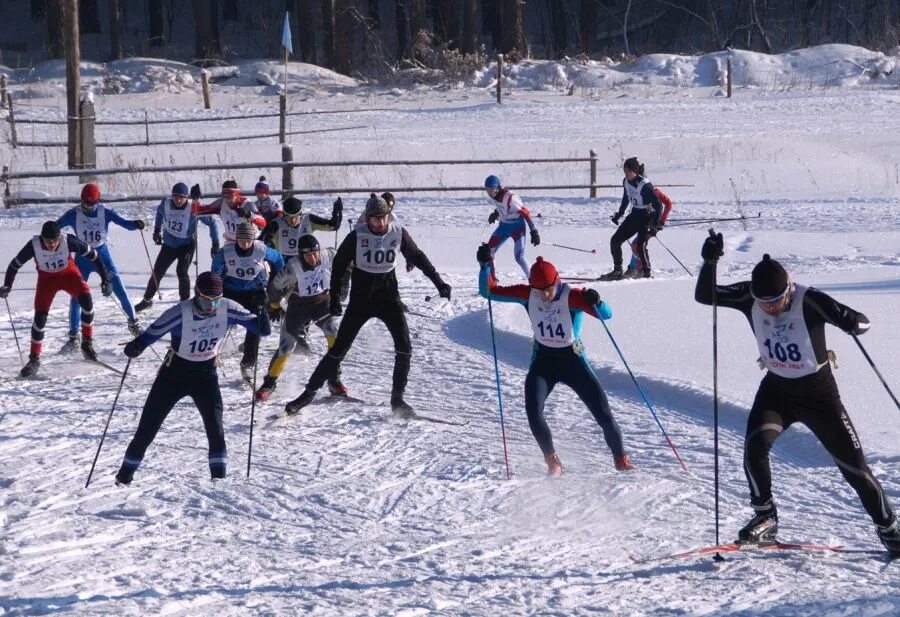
point(91, 229)
point(509, 209)
point(634, 194)
point(315, 281)
point(551, 321)
point(245, 268)
point(177, 221)
point(378, 254)
point(784, 343)
point(201, 338)
point(286, 237)
point(231, 219)
point(51, 261)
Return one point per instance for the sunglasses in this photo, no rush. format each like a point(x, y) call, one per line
point(208, 304)
point(774, 299)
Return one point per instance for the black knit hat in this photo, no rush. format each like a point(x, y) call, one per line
point(50, 230)
point(209, 284)
point(292, 206)
point(769, 279)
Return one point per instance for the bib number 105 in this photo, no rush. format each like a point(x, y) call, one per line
point(790, 351)
point(203, 345)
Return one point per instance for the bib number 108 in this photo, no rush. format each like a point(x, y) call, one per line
point(791, 351)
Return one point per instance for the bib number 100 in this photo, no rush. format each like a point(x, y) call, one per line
point(790, 351)
point(380, 256)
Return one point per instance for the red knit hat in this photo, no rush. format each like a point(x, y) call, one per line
point(543, 274)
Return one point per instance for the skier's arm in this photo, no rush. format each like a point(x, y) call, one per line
point(26, 254)
point(414, 255)
point(160, 215)
point(213, 224)
point(648, 194)
point(131, 225)
point(275, 258)
point(624, 205)
point(322, 224)
point(488, 288)
point(588, 301)
point(835, 313)
point(256, 324)
point(268, 233)
point(169, 321)
point(736, 296)
point(218, 264)
point(86, 250)
point(515, 203)
point(67, 220)
point(345, 255)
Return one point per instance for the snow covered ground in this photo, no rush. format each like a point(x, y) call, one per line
point(348, 511)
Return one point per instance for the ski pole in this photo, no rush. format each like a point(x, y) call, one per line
point(108, 418)
point(572, 248)
point(15, 335)
point(499, 395)
point(253, 402)
point(701, 221)
point(715, 332)
point(116, 302)
point(875, 368)
point(641, 390)
point(152, 271)
point(673, 256)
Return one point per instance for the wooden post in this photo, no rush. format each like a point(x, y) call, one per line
point(12, 120)
point(146, 128)
point(71, 39)
point(88, 147)
point(287, 172)
point(593, 193)
point(282, 117)
point(204, 81)
point(3, 88)
point(728, 79)
point(499, 78)
point(6, 186)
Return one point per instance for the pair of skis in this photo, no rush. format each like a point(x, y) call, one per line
point(282, 416)
point(766, 547)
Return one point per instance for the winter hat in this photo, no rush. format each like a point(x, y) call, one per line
point(307, 244)
point(90, 193)
point(209, 284)
point(543, 274)
point(245, 231)
point(262, 186)
point(229, 186)
point(50, 230)
point(769, 279)
point(292, 206)
point(492, 182)
point(376, 206)
point(180, 190)
point(388, 197)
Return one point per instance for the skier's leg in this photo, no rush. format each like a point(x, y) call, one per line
point(766, 422)
point(85, 267)
point(393, 317)
point(519, 250)
point(353, 320)
point(538, 387)
point(500, 235)
point(625, 230)
point(208, 399)
point(579, 376)
point(184, 256)
point(163, 260)
point(166, 391)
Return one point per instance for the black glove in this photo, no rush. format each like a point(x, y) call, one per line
point(493, 217)
point(443, 290)
point(713, 247)
point(139, 224)
point(334, 307)
point(615, 218)
point(106, 288)
point(651, 230)
point(195, 192)
point(4, 291)
point(592, 297)
point(243, 211)
point(337, 207)
point(483, 255)
point(215, 249)
point(157, 236)
point(535, 237)
point(133, 349)
point(275, 312)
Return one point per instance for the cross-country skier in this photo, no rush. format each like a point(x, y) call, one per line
point(232, 207)
point(306, 280)
point(556, 311)
point(244, 267)
point(513, 217)
point(56, 271)
point(372, 248)
point(284, 232)
point(90, 222)
point(265, 204)
point(635, 268)
point(644, 217)
point(198, 327)
point(789, 320)
point(174, 229)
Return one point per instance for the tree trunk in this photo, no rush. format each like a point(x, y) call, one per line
point(116, 31)
point(38, 9)
point(306, 28)
point(231, 10)
point(445, 15)
point(491, 21)
point(328, 33)
point(157, 36)
point(343, 36)
point(587, 34)
point(402, 18)
point(470, 34)
point(89, 16)
point(55, 47)
point(207, 39)
point(374, 15)
point(559, 28)
point(512, 37)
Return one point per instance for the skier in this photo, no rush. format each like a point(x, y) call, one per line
point(283, 233)
point(232, 207)
point(556, 312)
point(308, 276)
point(52, 254)
point(90, 222)
point(789, 320)
point(372, 247)
point(265, 204)
point(175, 229)
point(643, 218)
point(198, 327)
point(243, 267)
point(635, 268)
point(513, 217)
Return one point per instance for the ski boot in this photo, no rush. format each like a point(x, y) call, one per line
point(247, 372)
point(87, 349)
point(337, 388)
point(647, 274)
point(613, 275)
point(401, 408)
point(143, 305)
point(761, 529)
point(890, 538)
point(631, 273)
point(31, 367)
point(622, 463)
point(305, 398)
point(267, 388)
point(71, 345)
point(217, 473)
point(124, 476)
point(133, 327)
point(554, 465)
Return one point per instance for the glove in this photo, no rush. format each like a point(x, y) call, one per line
point(157, 236)
point(615, 218)
point(483, 255)
point(410, 267)
point(592, 297)
point(133, 349)
point(195, 192)
point(139, 224)
point(242, 211)
point(4, 291)
point(535, 237)
point(334, 307)
point(651, 230)
point(337, 207)
point(713, 247)
point(493, 217)
point(443, 290)
point(106, 288)
point(215, 249)
point(275, 312)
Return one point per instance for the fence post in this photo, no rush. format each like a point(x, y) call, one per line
point(12, 120)
point(3, 88)
point(287, 172)
point(282, 117)
point(593, 174)
point(499, 78)
point(88, 119)
point(146, 128)
point(204, 81)
point(6, 187)
point(728, 70)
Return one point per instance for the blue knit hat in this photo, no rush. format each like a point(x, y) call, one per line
point(180, 190)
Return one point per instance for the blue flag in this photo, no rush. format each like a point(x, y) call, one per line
point(286, 34)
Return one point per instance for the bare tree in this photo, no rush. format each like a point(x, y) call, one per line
point(306, 28)
point(207, 39)
point(116, 31)
point(231, 10)
point(559, 27)
point(88, 16)
point(328, 33)
point(55, 47)
point(512, 38)
point(587, 35)
point(155, 10)
point(401, 18)
point(343, 36)
point(470, 27)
